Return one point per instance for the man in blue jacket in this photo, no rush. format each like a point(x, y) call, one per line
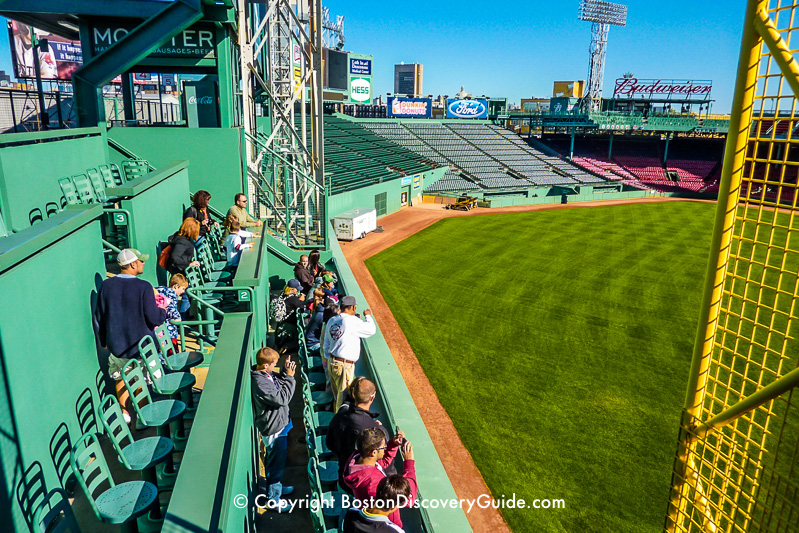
point(126, 312)
point(271, 394)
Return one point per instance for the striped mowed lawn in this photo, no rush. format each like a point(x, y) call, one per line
point(559, 342)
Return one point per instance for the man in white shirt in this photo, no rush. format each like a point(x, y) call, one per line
point(342, 343)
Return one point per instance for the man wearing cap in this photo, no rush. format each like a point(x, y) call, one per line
point(342, 343)
point(126, 311)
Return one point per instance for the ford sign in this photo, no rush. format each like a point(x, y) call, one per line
point(458, 108)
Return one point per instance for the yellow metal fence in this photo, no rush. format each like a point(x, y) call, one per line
point(737, 465)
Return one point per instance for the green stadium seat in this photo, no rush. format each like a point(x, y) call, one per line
point(84, 189)
point(137, 455)
point(179, 361)
point(55, 514)
point(158, 414)
point(173, 384)
point(97, 184)
point(69, 191)
point(117, 504)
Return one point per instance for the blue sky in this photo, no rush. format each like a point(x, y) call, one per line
point(517, 49)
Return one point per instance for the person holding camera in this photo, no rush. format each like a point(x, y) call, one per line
point(366, 467)
point(272, 393)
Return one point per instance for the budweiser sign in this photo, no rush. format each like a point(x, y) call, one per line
point(633, 86)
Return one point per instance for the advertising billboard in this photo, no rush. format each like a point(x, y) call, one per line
point(194, 42)
point(568, 89)
point(360, 90)
point(410, 107)
point(57, 60)
point(361, 66)
point(687, 89)
point(462, 108)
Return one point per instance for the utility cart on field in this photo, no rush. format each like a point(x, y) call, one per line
point(464, 203)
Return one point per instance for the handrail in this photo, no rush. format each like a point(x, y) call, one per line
point(127, 152)
point(113, 248)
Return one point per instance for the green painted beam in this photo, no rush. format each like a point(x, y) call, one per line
point(117, 8)
point(17, 247)
point(203, 494)
point(126, 53)
point(38, 136)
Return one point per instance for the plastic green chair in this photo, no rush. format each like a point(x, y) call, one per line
point(322, 419)
point(317, 448)
point(55, 514)
point(316, 380)
point(175, 361)
point(174, 384)
point(152, 414)
point(69, 191)
point(135, 168)
point(117, 504)
point(107, 175)
point(84, 189)
point(320, 399)
point(139, 455)
point(330, 501)
point(116, 174)
point(97, 184)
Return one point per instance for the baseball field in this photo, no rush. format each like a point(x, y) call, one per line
point(559, 343)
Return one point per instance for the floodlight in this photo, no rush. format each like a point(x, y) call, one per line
point(603, 12)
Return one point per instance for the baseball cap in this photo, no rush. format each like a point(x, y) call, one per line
point(347, 301)
point(327, 278)
point(294, 284)
point(129, 255)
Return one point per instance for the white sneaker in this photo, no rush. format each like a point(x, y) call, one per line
point(280, 506)
point(126, 417)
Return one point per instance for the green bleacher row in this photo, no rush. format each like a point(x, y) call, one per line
point(355, 157)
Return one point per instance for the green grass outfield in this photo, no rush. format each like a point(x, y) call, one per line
point(559, 342)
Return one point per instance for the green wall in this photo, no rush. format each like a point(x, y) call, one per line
point(213, 153)
point(47, 344)
point(365, 196)
point(32, 163)
point(156, 209)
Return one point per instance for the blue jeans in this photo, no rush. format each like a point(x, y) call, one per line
point(276, 458)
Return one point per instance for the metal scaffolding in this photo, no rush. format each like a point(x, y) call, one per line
point(281, 70)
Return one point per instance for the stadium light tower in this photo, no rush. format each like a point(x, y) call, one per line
point(601, 15)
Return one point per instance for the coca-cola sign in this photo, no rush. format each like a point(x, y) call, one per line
point(631, 87)
point(203, 100)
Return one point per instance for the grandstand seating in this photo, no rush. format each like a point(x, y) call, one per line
point(355, 157)
point(492, 158)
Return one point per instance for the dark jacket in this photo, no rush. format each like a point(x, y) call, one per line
point(304, 276)
point(182, 254)
point(199, 216)
point(342, 433)
point(270, 398)
point(125, 313)
point(293, 303)
point(358, 521)
point(314, 329)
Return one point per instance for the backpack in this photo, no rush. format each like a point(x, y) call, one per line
point(278, 309)
point(164, 257)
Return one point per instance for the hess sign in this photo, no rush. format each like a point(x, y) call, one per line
point(459, 108)
point(630, 87)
